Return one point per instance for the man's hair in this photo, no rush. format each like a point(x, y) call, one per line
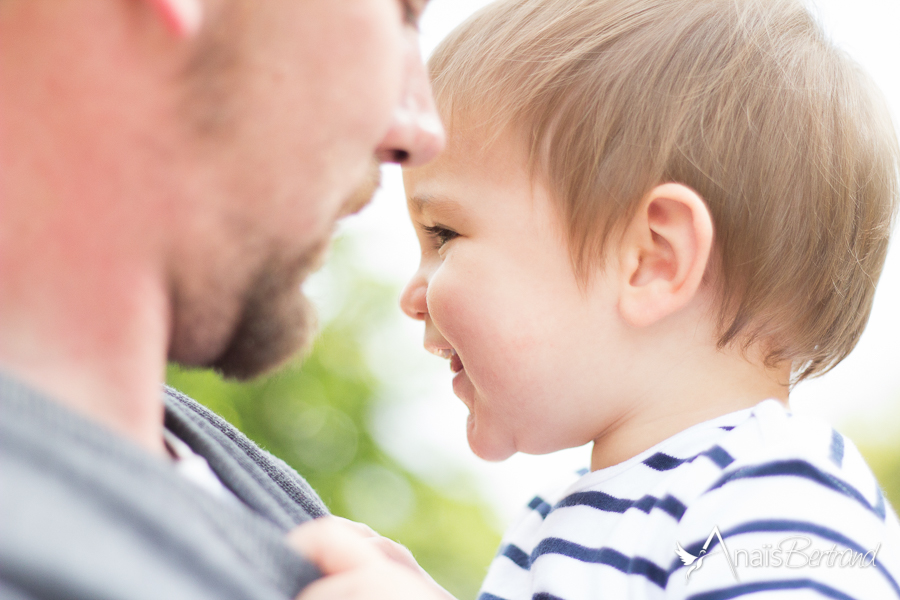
point(744, 101)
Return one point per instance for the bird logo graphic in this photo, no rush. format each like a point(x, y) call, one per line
point(689, 559)
point(697, 561)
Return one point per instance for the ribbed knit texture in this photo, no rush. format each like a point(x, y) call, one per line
point(84, 513)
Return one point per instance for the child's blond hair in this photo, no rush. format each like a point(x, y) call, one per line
point(744, 101)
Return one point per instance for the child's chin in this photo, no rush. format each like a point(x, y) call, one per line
point(486, 449)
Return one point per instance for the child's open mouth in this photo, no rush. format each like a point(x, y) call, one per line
point(455, 361)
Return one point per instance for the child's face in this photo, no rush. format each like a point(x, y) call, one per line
point(536, 358)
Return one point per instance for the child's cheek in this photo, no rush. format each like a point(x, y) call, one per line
point(461, 312)
point(448, 306)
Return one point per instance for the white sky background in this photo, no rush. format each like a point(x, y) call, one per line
point(424, 423)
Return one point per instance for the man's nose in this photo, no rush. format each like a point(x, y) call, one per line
point(416, 135)
point(412, 300)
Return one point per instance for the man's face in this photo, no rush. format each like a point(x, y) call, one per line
point(288, 107)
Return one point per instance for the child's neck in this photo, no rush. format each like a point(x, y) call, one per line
point(700, 387)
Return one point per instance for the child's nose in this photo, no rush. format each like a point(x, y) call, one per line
point(412, 300)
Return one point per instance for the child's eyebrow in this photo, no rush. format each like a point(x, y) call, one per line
point(434, 206)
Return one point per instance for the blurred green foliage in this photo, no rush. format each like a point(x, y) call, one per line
point(316, 416)
point(878, 441)
point(884, 459)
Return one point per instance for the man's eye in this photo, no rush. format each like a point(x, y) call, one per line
point(440, 235)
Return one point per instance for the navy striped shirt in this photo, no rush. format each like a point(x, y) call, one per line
point(759, 503)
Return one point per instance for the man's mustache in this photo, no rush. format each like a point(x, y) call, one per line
point(362, 195)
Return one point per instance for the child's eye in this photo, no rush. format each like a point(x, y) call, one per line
point(440, 235)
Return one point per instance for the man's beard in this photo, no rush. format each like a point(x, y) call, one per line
point(277, 321)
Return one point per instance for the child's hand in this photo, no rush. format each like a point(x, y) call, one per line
point(391, 549)
point(358, 563)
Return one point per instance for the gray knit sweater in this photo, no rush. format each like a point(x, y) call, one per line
point(87, 514)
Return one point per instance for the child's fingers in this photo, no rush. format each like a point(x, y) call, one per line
point(396, 552)
point(358, 563)
point(360, 528)
point(333, 546)
point(385, 581)
point(389, 548)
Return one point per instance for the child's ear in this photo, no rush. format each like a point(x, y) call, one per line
point(664, 253)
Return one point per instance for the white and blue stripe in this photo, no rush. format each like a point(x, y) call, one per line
point(762, 476)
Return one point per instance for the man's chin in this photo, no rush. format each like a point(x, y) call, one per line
point(278, 322)
point(258, 349)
